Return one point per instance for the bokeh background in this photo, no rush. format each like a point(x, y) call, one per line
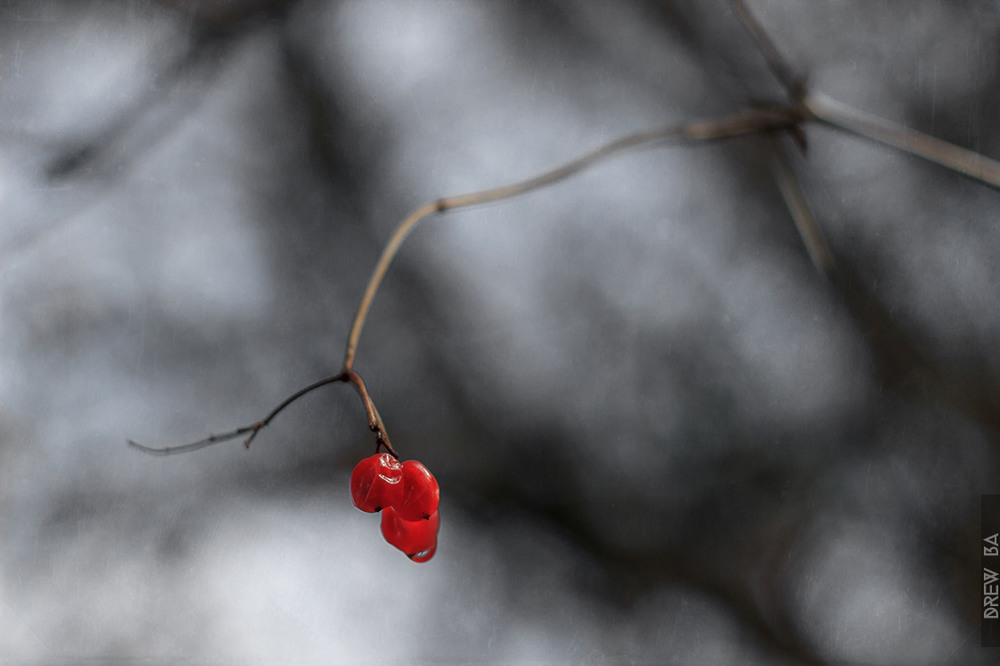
point(661, 435)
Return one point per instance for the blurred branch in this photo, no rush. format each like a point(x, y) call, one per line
point(798, 207)
point(794, 83)
point(883, 131)
point(225, 14)
point(202, 57)
point(900, 363)
point(817, 106)
point(216, 28)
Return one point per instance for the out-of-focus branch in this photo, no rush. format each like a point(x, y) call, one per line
point(793, 82)
point(817, 106)
point(798, 207)
point(888, 133)
point(217, 28)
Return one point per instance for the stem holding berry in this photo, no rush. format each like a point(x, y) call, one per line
point(753, 121)
point(409, 498)
point(768, 119)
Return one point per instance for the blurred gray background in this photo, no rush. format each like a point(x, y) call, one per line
point(661, 435)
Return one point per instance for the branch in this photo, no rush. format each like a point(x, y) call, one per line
point(349, 376)
point(794, 83)
point(820, 107)
point(883, 131)
point(750, 122)
point(798, 207)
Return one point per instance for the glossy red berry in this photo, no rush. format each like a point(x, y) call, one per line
point(416, 538)
point(376, 483)
point(420, 492)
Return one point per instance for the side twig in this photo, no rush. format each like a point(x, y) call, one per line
point(798, 207)
point(374, 421)
point(793, 82)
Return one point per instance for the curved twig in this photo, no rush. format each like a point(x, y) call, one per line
point(749, 122)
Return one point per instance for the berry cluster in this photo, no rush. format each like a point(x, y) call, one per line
point(407, 494)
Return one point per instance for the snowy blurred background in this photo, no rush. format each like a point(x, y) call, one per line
point(661, 435)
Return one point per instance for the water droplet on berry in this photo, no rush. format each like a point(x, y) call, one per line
point(424, 555)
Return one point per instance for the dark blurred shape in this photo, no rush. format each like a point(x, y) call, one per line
point(226, 15)
point(215, 29)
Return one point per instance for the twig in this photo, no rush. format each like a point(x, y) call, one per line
point(789, 118)
point(750, 122)
point(794, 83)
point(374, 421)
point(819, 107)
point(883, 131)
point(798, 207)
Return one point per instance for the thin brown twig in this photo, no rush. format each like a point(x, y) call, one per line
point(877, 129)
point(775, 118)
point(819, 107)
point(793, 82)
point(374, 418)
point(374, 421)
point(798, 207)
point(805, 108)
point(749, 122)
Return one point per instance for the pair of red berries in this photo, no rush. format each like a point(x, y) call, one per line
point(407, 494)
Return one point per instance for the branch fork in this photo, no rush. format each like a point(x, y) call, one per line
point(802, 107)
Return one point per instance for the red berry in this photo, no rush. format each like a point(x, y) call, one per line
point(420, 492)
point(376, 483)
point(416, 538)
